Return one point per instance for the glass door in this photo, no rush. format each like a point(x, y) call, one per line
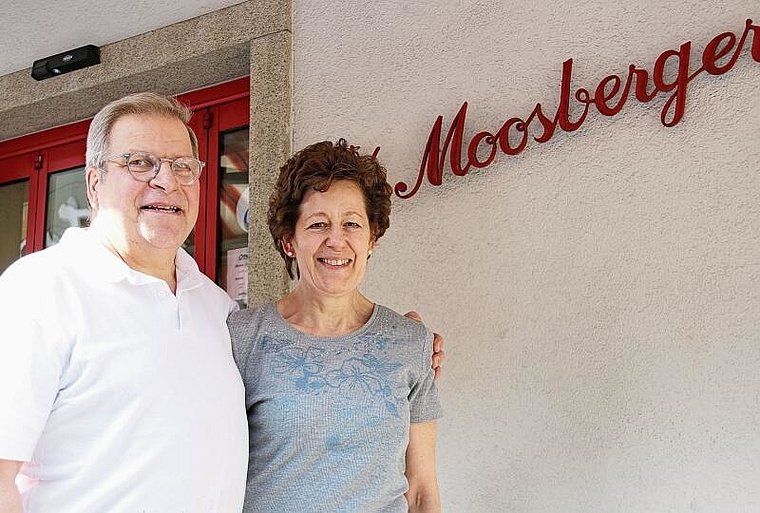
point(66, 204)
point(232, 228)
point(16, 203)
point(62, 192)
point(14, 211)
point(222, 251)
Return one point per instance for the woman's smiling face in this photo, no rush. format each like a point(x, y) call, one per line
point(332, 240)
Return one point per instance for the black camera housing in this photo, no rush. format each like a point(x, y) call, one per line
point(64, 62)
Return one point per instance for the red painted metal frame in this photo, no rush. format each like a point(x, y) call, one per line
point(221, 108)
point(200, 225)
point(14, 169)
point(44, 139)
point(227, 116)
point(217, 94)
point(208, 216)
point(54, 159)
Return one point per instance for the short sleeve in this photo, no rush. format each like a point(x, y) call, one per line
point(244, 326)
point(423, 399)
point(236, 324)
point(31, 362)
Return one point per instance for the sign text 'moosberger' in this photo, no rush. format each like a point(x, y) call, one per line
point(609, 97)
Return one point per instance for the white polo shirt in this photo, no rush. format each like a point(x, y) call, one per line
point(119, 395)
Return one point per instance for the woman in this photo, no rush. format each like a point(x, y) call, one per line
point(339, 391)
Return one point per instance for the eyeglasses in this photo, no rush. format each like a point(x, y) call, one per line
point(144, 166)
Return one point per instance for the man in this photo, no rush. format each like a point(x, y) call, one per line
point(117, 385)
point(118, 391)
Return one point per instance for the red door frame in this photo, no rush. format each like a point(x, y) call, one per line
point(216, 110)
point(226, 116)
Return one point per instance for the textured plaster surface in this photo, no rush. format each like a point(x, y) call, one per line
point(599, 294)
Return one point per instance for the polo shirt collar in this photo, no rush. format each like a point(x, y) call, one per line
point(100, 261)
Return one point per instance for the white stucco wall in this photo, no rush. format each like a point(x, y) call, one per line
point(600, 293)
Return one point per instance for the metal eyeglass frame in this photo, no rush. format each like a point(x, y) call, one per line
point(147, 176)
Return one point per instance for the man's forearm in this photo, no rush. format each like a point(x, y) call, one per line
point(10, 499)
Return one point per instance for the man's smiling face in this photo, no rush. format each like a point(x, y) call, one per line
point(145, 216)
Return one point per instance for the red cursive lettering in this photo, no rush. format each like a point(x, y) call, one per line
point(609, 98)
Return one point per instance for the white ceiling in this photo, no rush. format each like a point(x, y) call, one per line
point(33, 29)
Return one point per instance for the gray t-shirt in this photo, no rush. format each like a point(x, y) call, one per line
point(329, 417)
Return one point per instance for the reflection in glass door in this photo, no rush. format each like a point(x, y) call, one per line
point(14, 211)
point(66, 204)
point(232, 232)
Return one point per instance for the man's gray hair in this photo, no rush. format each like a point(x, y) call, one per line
point(149, 104)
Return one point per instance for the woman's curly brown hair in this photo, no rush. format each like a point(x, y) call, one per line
point(315, 168)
